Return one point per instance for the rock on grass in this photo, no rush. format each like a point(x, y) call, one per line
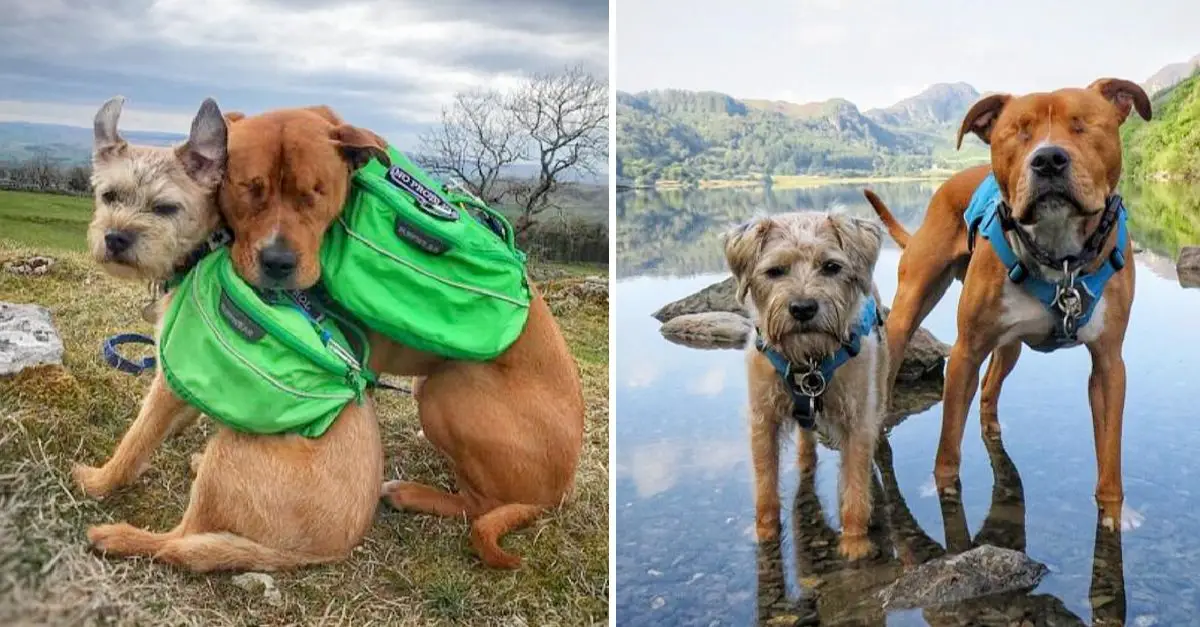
point(27, 338)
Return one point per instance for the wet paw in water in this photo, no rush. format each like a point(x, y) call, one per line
point(854, 547)
point(1130, 519)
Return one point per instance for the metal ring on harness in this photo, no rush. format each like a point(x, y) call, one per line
point(811, 382)
point(114, 359)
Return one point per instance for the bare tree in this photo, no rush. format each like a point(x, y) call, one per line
point(559, 122)
point(566, 117)
point(478, 138)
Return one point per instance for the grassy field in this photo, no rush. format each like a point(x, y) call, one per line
point(411, 569)
point(49, 221)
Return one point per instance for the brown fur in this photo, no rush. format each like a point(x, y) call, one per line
point(512, 428)
point(1084, 123)
point(777, 261)
point(257, 502)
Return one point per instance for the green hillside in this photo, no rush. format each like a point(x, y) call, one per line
point(688, 136)
point(1167, 148)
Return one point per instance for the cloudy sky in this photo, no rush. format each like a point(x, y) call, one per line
point(388, 65)
point(875, 52)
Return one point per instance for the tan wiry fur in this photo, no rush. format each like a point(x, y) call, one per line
point(830, 259)
point(129, 182)
point(257, 502)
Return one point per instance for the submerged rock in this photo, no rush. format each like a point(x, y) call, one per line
point(712, 329)
point(27, 338)
point(982, 571)
point(1188, 266)
point(717, 297)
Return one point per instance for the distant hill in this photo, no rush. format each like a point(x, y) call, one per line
point(72, 145)
point(1168, 146)
point(1171, 75)
point(683, 135)
point(937, 106)
point(66, 145)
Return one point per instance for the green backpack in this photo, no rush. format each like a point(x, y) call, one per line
point(288, 365)
point(431, 269)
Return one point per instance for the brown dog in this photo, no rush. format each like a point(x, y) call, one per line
point(258, 502)
point(1057, 159)
point(511, 428)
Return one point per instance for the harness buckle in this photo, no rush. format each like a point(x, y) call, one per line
point(1068, 300)
point(810, 382)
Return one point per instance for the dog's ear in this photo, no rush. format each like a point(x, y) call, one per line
point(107, 143)
point(327, 113)
point(861, 240)
point(358, 145)
point(1125, 96)
point(205, 153)
point(233, 116)
point(981, 118)
point(743, 244)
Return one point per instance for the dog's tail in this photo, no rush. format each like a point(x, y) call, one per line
point(895, 229)
point(487, 530)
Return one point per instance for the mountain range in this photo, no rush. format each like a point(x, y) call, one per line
point(688, 136)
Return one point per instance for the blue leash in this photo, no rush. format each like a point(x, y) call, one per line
point(114, 359)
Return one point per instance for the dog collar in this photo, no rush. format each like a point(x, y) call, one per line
point(218, 238)
point(1072, 300)
point(806, 383)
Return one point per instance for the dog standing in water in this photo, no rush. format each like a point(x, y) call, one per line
point(819, 359)
point(1056, 160)
point(258, 502)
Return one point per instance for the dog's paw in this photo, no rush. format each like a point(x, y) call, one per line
point(396, 493)
point(106, 538)
point(766, 527)
point(854, 547)
point(1127, 519)
point(90, 480)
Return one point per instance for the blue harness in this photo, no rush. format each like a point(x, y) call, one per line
point(806, 383)
point(1072, 301)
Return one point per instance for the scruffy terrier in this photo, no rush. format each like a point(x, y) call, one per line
point(258, 502)
point(819, 358)
point(154, 205)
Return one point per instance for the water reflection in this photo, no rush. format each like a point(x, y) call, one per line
point(677, 232)
point(835, 592)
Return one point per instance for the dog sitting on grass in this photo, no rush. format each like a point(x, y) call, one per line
point(819, 358)
point(258, 502)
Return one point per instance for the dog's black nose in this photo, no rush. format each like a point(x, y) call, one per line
point(1050, 161)
point(803, 310)
point(278, 261)
point(118, 241)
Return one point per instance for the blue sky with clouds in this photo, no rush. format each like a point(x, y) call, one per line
point(389, 65)
point(875, 52)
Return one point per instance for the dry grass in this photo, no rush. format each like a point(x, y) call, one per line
point(411, 569)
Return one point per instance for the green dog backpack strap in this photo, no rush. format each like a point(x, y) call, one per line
point(432, 269)
point(257, 366)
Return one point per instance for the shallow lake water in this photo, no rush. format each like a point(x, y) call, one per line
point(685, 548)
